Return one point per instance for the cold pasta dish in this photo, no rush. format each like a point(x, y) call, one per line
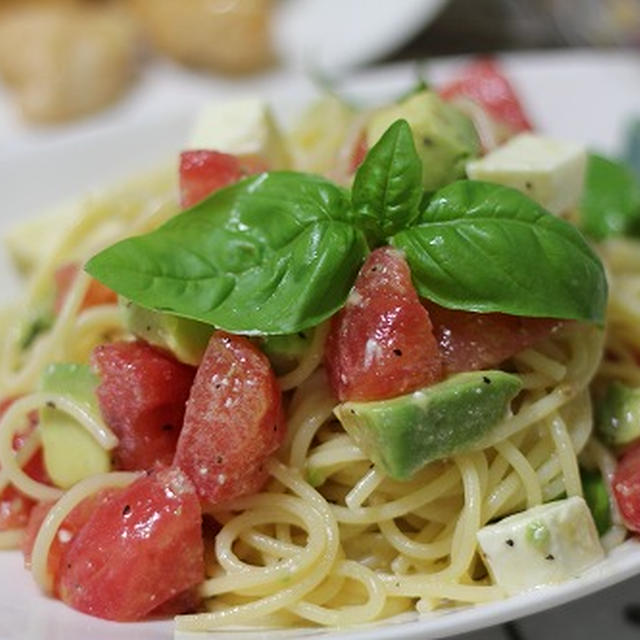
point(384, 362)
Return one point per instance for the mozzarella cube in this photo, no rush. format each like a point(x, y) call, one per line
point(543, 545)
point(240, 127)
point(549, 171)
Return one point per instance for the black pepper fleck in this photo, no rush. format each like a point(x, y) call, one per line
point(427, 142)
point(510, 542)
point(51, 404)
point(397, 352)
point(528, 185)
point(126, 510)
point(550, 557)
point(486, 380)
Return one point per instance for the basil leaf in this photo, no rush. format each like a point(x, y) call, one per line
point(484, 247)
point(388, 185)
point(610, 202)
point(273, 254)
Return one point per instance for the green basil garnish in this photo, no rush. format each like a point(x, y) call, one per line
point(387, 188)
point(610, 204)
point(278, 253)
point(273, 254)
point(484, 247)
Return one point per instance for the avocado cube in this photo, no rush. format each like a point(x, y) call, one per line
point(617, 415)
point(403, 434)
point(186, 339)
point(70, 451)
point(285, 351)
point(445, 138)
point(597, 498)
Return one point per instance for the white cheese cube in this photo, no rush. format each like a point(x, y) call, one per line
point(241, 127)
point(547, 544)
point(549, 171)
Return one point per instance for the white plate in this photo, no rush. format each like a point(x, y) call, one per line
point(575, 96)
point(335, 34)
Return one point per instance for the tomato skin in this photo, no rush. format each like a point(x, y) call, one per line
point(16, 506)
point(70, 526)
point(204, 171)
point(483, 82)
point(471, 341)
point(142, 397)
point(138, 549)
point(234, 420)
point(96, 294)
point(626, 487)
point(381, 344)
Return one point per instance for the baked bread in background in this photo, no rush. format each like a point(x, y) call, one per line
point(230, 36)
point(67, 58)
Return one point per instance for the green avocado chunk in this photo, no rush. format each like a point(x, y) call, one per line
point(403, 434)
point(445, 138)
point(617, 415)
point(70, 451)
point(597, 499)
point(185, 339)
point(285, 352)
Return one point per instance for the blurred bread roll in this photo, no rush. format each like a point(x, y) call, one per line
point(66, 59)
point(231, 36)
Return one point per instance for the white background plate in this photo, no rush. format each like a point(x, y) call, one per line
point(580, 96)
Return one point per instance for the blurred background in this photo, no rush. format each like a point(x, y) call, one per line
point(71, 68)
point(64, 60)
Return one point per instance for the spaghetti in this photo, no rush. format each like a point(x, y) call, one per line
point(330, 540)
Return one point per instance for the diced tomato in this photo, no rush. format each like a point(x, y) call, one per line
point(96, 294)
point(202, 172)
point(470, 341)
point(234, 420)
point(381, 344)
point(483, 82)
point(626, 487)
point(66, 532)
point(142, 397)
point(15, 506)
point(359, 152)
point(138, 549)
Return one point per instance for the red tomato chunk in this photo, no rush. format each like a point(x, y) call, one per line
point(15, 506)
point(138, 549)
point(67, 531)
point(381, 344)
point(626, 487)
point(234, 420)
point(96, 294)
point(483, 82)
point(142, 397)
point(202, 172)
point(470, 341)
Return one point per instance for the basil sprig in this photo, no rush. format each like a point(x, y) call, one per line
point(278, 253)
point(484, 247)
point(610, 204)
